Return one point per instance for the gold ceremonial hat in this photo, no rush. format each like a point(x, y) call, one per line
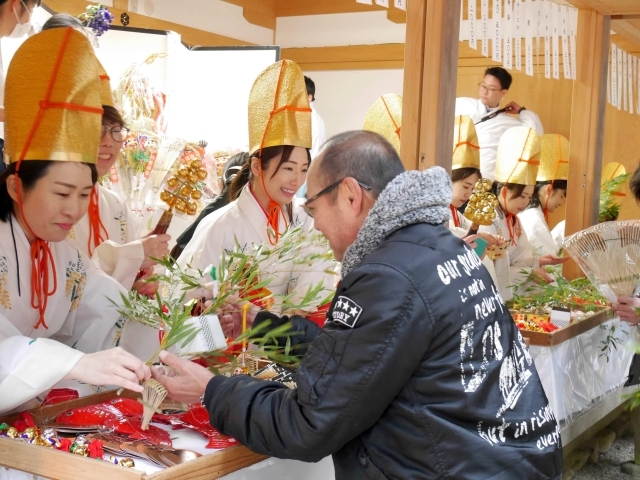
point(554, 158)
point(518, 156)
point(612, 170)
point(279, 112)
point(385, 117)
point(53, 109)
point(466, 149)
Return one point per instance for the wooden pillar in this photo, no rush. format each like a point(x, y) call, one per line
point(430, 78)
point(587, 125)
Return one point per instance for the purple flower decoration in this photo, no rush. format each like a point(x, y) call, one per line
point(98, 18)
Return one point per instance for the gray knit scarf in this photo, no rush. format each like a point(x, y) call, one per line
point(412, 197)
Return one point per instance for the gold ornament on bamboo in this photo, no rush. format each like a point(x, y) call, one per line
point(554, 158)
point(182, 192)
point(385, 118)
point(466, 149)
point(481, 209)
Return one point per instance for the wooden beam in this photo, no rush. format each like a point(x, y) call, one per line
point(294, 8)
point(439, 83)
point(190, 36)
point(354, 57)
point(396, 15)
point(262, 13)
point(412, 89)
point(587, 124)
point(629, 32)
point(609, 7)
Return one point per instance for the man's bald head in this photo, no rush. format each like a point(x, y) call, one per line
point(365, 156)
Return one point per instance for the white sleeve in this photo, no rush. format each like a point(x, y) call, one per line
point(29, 367)
point(531, 120)
point(465, 106)
point(521, 260)
point(121, 262)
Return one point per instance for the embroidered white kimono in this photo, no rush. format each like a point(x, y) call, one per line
point(516, 266)
point(461, 232)
point(537, 230)
point(122, 254)
point(79, 317)
point(245, 221)
point(490, 131)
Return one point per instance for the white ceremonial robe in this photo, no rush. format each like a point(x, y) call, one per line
point(516, 266)
point(79, 316)
point(489, 132)
point(121, 255)
point(538, 233)
point(461, 232)
point(245, 222)
point(558, 233)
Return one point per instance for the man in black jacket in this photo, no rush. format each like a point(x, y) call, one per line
point(419, 371)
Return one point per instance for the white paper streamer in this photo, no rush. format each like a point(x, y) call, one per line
point(497, 31)
point(637, 82)
point(630, 81)
point(401, 4)
point(383, 3)
point(518, 31)
point(554, 17)
point(528, 34)
point(619, 81)
point(484, 13)
point(625, 99)
point(538, 28)
point(548, 30)
point(573, 17)
point(472, 25)
point(506, 32)
point(614, 75)
point(609, 80)
point(564, 31)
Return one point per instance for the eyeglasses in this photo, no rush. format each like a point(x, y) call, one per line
point(117, 133)
point(484, 87)
point(326, 190)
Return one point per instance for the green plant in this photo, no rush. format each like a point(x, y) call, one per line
point(611, 342)
point(609, 208)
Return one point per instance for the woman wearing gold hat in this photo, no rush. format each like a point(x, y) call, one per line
point(54, 307)
point(516, 170)
point(550, 192)
point(385, 118)
point(264, 191)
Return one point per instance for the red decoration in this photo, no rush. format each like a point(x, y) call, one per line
point(28, 419)
point(20, 425)
point(95, 449)
point(59, 395)
point(65, 444)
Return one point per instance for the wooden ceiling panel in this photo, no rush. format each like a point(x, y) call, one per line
point(610, 7)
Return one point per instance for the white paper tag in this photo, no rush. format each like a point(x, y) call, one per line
point(620, 86)
point(496, 21)
point(484, 15)
point(401, 4)
point(517, 30)
point(471, 12)
point(573, 17)
point(609, 80)
point(625, 86)
point(630, 81)
point(554, 17)
point(507, 35)
point(548, 30)
point(383, 3)
point(564, 30)
point(560, 317)
point(528, 35)
point(614, 75)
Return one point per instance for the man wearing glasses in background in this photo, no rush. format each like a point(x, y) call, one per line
point(493, 88)
point(419, 371)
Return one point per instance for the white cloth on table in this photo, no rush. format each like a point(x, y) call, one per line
point(490, 131)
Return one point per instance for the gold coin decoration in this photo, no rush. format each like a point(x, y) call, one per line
point(481, 208)
point(181, 191)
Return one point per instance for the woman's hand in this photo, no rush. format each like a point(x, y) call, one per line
point(541, 276)
point(156, 246)
point(111, 367)
point(626, 309)
point(552, 260)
